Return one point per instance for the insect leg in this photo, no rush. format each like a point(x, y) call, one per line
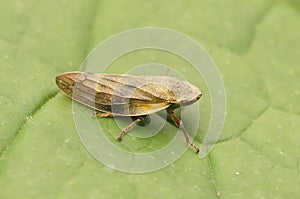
point(129, 127)
point(103, 114)
point(181, 126)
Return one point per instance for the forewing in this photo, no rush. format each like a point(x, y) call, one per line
point(122, 95)
point(136, 107)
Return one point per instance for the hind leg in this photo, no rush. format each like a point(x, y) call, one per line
point(103, 114)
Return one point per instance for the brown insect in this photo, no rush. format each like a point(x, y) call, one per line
point(125, 95)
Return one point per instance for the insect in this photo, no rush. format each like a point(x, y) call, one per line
point(126, 95)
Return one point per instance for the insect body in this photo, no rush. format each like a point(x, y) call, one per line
point(125, 95)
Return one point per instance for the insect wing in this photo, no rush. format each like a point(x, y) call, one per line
point(132, 95)
point(117, 94)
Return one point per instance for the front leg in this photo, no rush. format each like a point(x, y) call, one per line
point(180, 124)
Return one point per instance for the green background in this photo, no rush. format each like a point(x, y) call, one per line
point(256, 47)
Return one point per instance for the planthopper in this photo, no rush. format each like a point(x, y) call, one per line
point(126, 95)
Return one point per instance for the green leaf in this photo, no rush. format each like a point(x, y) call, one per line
point(256, 47)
